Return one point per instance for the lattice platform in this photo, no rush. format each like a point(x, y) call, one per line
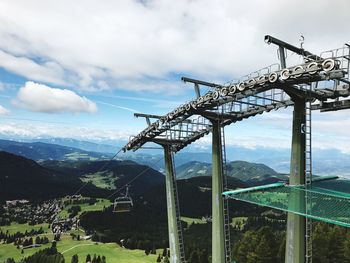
point(328, 199)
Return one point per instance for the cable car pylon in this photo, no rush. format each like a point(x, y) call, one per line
point(271, 88)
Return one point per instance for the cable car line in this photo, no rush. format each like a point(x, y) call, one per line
point(135, 178)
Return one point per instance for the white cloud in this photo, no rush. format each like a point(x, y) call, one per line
point(49, 72)
point(41, 98)
point(3, 110)
point(123, 44)
point(29, 131)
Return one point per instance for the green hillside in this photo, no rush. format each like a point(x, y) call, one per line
point(244, 171)
point(115, 174)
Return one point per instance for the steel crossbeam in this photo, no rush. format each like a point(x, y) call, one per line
point(264, 90)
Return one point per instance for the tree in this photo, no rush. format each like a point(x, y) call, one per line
point(336, 244)
point(194, 258)
point(266, 248)
point(320, 243)
point(244, 249)
point(103, 259)
point(159, 259)
point(88, 258)
point(153, 251)
point(203, 256)
point(75, 259)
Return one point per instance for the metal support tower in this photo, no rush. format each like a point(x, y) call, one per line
point(176, 245)
point(308, 180)
point(218, 233)
point(227, 222)
point(295, 236)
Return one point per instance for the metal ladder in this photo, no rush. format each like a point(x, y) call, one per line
point(308, 180)
point(178, 215)
point(226, 201)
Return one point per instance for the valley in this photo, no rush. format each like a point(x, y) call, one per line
point(77, 197)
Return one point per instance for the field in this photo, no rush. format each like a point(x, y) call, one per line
point(105, 179)
point(190, 220)
point(86, 207)
point(240, 221)
point(69, 247)
point(13, 228)
point(76, 156)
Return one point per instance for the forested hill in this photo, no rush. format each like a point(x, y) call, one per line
point(110, 174)
point(24, 178)
point(244, 171)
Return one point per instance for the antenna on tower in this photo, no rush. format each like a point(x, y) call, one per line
point(301, 40)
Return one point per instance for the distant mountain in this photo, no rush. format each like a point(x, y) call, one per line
point(156, 161)
point(83, 145)
point(252, 172)
point(325, 161)
point(244, 171)
point(45, 151)
point(193, 169)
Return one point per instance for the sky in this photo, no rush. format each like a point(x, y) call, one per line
point(81, 69)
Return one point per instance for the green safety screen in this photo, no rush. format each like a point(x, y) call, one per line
point(326, 199)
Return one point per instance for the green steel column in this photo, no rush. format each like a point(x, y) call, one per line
point(174, 241)
point(218, 235)
point(295, 239)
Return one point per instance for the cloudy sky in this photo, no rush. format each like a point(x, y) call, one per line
point(81, 68)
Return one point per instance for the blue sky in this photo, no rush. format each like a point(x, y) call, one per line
point(68, 71)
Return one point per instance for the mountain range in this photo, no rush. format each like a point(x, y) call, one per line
point(45, 151)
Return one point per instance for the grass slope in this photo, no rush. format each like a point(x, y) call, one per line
point(103, 179)
point(69, 247)
point(14, 228)
point(86, 207)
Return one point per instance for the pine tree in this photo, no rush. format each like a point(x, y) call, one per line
point(164, 252)
point(194, 257)
point(266, 248)
point(203, 256)
point(75, 259)
point(336, 244)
